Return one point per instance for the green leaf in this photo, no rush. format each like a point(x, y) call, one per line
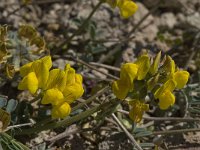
point(194, 110)
point(12, 104)
point(92, 31)
point(138, 130)
point(3, 101)
point(154, 67)
point(146, 145)
point(142, 134)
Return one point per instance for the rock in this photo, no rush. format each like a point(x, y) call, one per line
point(148, 28)
point(194, 20)
point(167, 20)
point(128, 55)
point(142, 11)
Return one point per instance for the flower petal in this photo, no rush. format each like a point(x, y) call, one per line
point(53, 96)
point(78, 78)
point(119, 89)
point(61, 111)
point(70, 73)
point(170, 85)
point(26, 69)
point(42, 72)
point(166, 99)
point(181, 78)
point(47, 61)
point(73, 92)
point(143, 63)
point(127, 8)
point(29, 82)
point(128, 74)
point(57, 79)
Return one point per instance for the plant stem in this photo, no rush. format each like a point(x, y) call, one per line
point(81, 28)
point(16, 10)
point(176, 131)
point(126, 131)
point(89, 66)
point(105, 66)
point(65, 122)
point(144, 18)
point(165, 118)
point(18, 144)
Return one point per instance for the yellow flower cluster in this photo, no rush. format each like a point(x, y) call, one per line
point(59, 87)
point(127, 7)
point(161, 80)
point(175, 79)
point(129, 72)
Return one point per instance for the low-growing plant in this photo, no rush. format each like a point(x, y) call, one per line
point(56, 93)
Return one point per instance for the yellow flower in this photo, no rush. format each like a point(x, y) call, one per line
point(122, 86)
point(54, 87)
point(59, 87)
point(164, 94)
point(29, 82)
point(128, 74)
point(120, 89)
point(35, 73)
point(53, 96)
point(75, 90)
point(62, 88)
point(127, 8)
point(61, 111)
point(170, 85)
point(137, 110)
point(70, 73)
point(181, 78)
point(57, 79)
point(166, 99)
point(143, 63)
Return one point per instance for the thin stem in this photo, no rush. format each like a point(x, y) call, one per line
point(126, 131)
point(144, 18)
point(82, 26)
point(176, 131)
point(16, 10)
point(11, 139)
point(65, 122)
point(91, 67)
point(19, 125)
point(165, 118)
point(105, 66)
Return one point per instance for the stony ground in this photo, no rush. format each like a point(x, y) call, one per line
point(172, 26)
